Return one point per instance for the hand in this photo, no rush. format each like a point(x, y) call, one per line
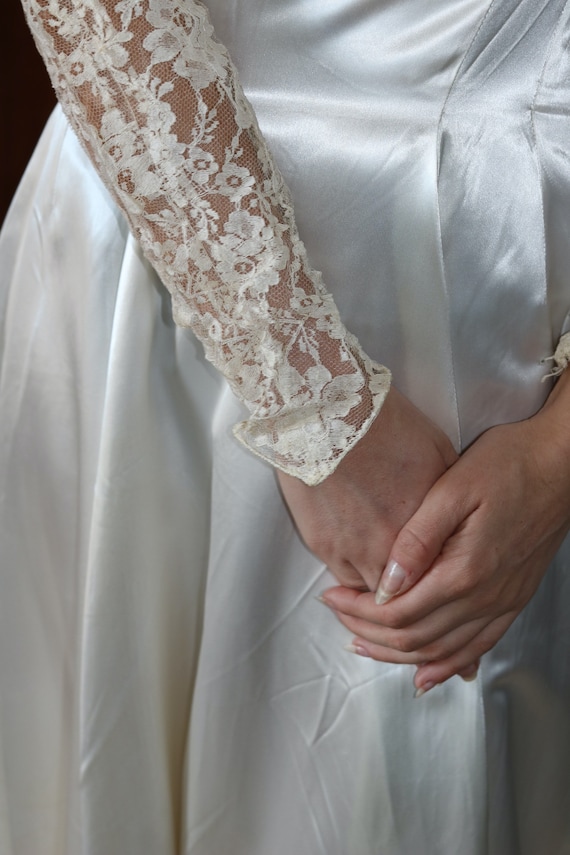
point(479, 546)
point(352, 518)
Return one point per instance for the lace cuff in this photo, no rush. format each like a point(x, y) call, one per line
point(156, 102)
point(322, 432)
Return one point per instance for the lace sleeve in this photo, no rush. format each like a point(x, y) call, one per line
point(155, 100)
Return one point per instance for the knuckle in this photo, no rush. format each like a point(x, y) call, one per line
point(463, 582)
point(393, 620)
point(486, 601)
point(413, 543)
point(436, 651)
point(398, 644)
point(456, 589)
point(406, 643)
point(470, 578)
point(345, 577)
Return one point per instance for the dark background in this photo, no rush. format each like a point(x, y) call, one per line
point(26, 99)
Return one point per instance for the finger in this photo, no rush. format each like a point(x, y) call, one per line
point(434, 673)
point(470, 673)
point(440, 647)
point(357, 608)
point(363, 648)
point(422, 538)
point(358, 611)
point(351, 601)
point(383, 653)
point(440, 615)
point(347, 575)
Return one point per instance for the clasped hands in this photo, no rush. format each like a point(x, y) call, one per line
point(452, 547)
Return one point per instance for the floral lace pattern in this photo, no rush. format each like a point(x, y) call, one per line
point(156, 101)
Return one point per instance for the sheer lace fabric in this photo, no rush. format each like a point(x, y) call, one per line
point(155, 99)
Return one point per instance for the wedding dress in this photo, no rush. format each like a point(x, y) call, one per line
point(168, 682)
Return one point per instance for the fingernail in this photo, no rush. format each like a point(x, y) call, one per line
point(422, 691)
point(392, 580)
point(321, 598)
point(470, 678)
point(358, 649)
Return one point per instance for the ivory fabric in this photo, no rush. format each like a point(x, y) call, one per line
point(168, 683)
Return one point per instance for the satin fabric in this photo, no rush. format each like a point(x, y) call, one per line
point(168, 682)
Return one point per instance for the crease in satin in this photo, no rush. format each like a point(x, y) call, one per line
point(555, 34)
point(458, 441)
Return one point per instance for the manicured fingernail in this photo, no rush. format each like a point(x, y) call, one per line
point(358, 649)
point(422, 691)
point(392, 580)
point(322, 598)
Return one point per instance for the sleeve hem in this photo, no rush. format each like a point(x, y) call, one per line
point(313, 449)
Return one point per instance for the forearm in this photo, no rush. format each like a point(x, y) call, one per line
point(156, 101)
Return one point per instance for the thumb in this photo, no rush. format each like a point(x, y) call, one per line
point(421, 540)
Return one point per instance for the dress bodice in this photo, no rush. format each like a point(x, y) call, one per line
point(429, 138)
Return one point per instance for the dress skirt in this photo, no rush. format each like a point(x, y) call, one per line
point(169, 684)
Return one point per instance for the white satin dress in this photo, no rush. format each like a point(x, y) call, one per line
point(168, 683)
